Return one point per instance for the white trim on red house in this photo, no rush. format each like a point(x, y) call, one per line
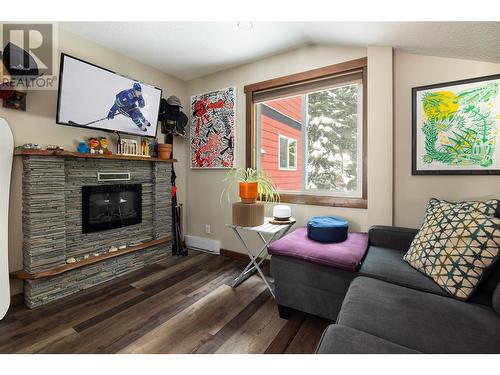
point(288, 139)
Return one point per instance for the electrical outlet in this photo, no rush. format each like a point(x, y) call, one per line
point(207, 229)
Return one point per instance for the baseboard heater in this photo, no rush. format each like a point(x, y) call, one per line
point(203, 244)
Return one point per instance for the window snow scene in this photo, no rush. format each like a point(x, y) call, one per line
point(312, 143)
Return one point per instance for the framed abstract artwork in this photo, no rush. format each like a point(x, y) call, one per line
point(456, 127)
point(212, 129)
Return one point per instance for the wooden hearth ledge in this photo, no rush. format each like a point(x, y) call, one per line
point(69, 154)
point(22, 275)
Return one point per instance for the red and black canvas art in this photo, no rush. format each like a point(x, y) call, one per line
point(212, 129)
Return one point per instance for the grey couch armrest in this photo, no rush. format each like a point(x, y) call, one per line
point(397, 238)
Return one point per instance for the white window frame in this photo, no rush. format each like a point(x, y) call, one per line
point(288, 139)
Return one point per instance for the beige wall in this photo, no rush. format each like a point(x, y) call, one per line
point(411, 193)
point(379, 136)
point(204, 186)
point(38, 125)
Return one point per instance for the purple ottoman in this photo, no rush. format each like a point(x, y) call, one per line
point(344, 255)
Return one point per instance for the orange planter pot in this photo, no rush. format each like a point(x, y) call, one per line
point(164, 151)
point(249, 191)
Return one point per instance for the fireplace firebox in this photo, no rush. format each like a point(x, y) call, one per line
point(111, 206)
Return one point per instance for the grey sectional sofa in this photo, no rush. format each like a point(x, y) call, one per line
point(387, 306)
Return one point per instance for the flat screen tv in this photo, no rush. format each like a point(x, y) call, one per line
point(97, 98)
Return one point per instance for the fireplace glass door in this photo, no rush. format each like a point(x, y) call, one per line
point(111, 206)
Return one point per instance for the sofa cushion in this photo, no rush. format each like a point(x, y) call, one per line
point(456, 245)
point(388, 265)
point(495, 300)
point(346, 255)
point(345, 340)
point(422, 321)
point(400, 239)
point(391, 237)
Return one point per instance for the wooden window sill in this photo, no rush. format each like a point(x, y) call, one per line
point(322, 200)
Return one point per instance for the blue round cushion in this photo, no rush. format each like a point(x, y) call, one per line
point(327, 229)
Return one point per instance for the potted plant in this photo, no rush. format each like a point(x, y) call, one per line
point(165, 149)
point(253, 184)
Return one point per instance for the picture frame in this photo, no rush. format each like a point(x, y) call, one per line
point(456, 127)
point(212, 129)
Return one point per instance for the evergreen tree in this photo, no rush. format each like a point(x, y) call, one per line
point(331, 139)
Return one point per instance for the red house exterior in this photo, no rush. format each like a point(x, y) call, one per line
point(282, 117)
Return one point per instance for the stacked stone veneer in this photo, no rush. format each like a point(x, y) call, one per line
point(52, 222)
point(44, 212)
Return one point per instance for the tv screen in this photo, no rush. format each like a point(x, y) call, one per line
point(94, 97)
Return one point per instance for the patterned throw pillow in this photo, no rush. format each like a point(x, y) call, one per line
point(437, 205)
point(456, 244)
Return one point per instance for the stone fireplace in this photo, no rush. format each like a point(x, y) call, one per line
point(72, 219)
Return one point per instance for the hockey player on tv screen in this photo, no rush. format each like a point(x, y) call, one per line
point(126, 102)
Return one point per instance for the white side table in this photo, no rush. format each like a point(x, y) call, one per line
point(272, 232)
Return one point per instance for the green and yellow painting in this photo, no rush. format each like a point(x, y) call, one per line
point(457, 127)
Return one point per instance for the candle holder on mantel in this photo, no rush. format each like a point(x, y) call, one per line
point(133, 147)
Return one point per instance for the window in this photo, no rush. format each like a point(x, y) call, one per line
point(287, 153)
point(311, 134)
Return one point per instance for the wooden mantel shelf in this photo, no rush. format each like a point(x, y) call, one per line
point(69, 154)
point(23, 275)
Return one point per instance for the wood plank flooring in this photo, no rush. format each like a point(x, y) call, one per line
point(183, 305)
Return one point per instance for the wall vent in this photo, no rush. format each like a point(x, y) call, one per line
point(113, 176)
point(203, 244)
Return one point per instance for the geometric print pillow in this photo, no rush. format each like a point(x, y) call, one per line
point(437, 205)
point(456, 245)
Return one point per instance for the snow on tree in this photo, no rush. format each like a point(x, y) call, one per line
point(331, 139)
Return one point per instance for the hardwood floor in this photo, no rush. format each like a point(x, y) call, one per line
point(184, 305)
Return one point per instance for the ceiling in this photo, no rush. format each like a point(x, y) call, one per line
point(189, 50)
